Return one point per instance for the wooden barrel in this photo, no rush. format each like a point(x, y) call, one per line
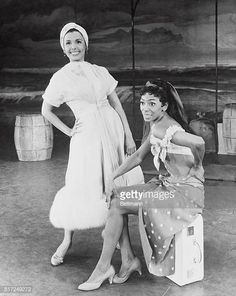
point(229, 128)
point(33, 137)
point(205, 128)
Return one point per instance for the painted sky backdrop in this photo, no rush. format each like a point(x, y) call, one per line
point(173, 33)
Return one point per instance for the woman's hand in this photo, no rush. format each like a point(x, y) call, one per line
point(109, 188)
point(196, 172)
point(130, 145)
point(76, 128)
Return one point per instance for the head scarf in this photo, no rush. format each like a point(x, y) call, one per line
point(178, 101)
point(70, 26)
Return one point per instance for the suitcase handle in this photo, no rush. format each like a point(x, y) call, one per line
point(195, 259)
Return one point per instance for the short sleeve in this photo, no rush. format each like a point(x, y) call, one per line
point(54, 91)
point(110, 81)
point(170, 133)
point(172, 130)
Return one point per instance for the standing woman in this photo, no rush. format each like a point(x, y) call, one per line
point(169, 203)
point(97, 139)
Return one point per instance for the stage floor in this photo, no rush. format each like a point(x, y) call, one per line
point(28, 239)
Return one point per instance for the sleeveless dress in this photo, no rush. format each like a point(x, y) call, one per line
point(169, 203)
point(95, 151)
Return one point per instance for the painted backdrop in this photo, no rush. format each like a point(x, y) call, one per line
point(174, 40)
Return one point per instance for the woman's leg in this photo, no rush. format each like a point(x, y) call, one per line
point(58, 256)
point(67, 240)
point(112, 233)
point(127, 253)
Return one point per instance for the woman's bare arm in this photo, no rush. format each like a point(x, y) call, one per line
point(53, 118)
point(195, 143)
point(134, 160)
point(131, 162)
point(116, 104)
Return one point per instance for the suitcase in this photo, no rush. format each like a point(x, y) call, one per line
point(189, 260)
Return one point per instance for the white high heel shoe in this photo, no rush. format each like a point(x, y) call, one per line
point(95, 285)
point(135, 266)
point(57, 259)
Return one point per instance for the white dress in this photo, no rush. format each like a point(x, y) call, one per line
point(95, 151)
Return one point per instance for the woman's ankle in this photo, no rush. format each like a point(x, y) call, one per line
point(64, 247)
point(127, 261)
point(101, 267)
point(127, 257)
point(66, 242)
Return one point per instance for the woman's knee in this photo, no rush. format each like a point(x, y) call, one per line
point(120, 209)
point(115, 203)
point(115, 207)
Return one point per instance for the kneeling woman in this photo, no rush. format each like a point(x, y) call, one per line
point(165, 205)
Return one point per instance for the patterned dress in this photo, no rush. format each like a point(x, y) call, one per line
point(168, 204)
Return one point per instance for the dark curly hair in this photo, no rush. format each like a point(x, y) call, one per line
point(166, 93)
